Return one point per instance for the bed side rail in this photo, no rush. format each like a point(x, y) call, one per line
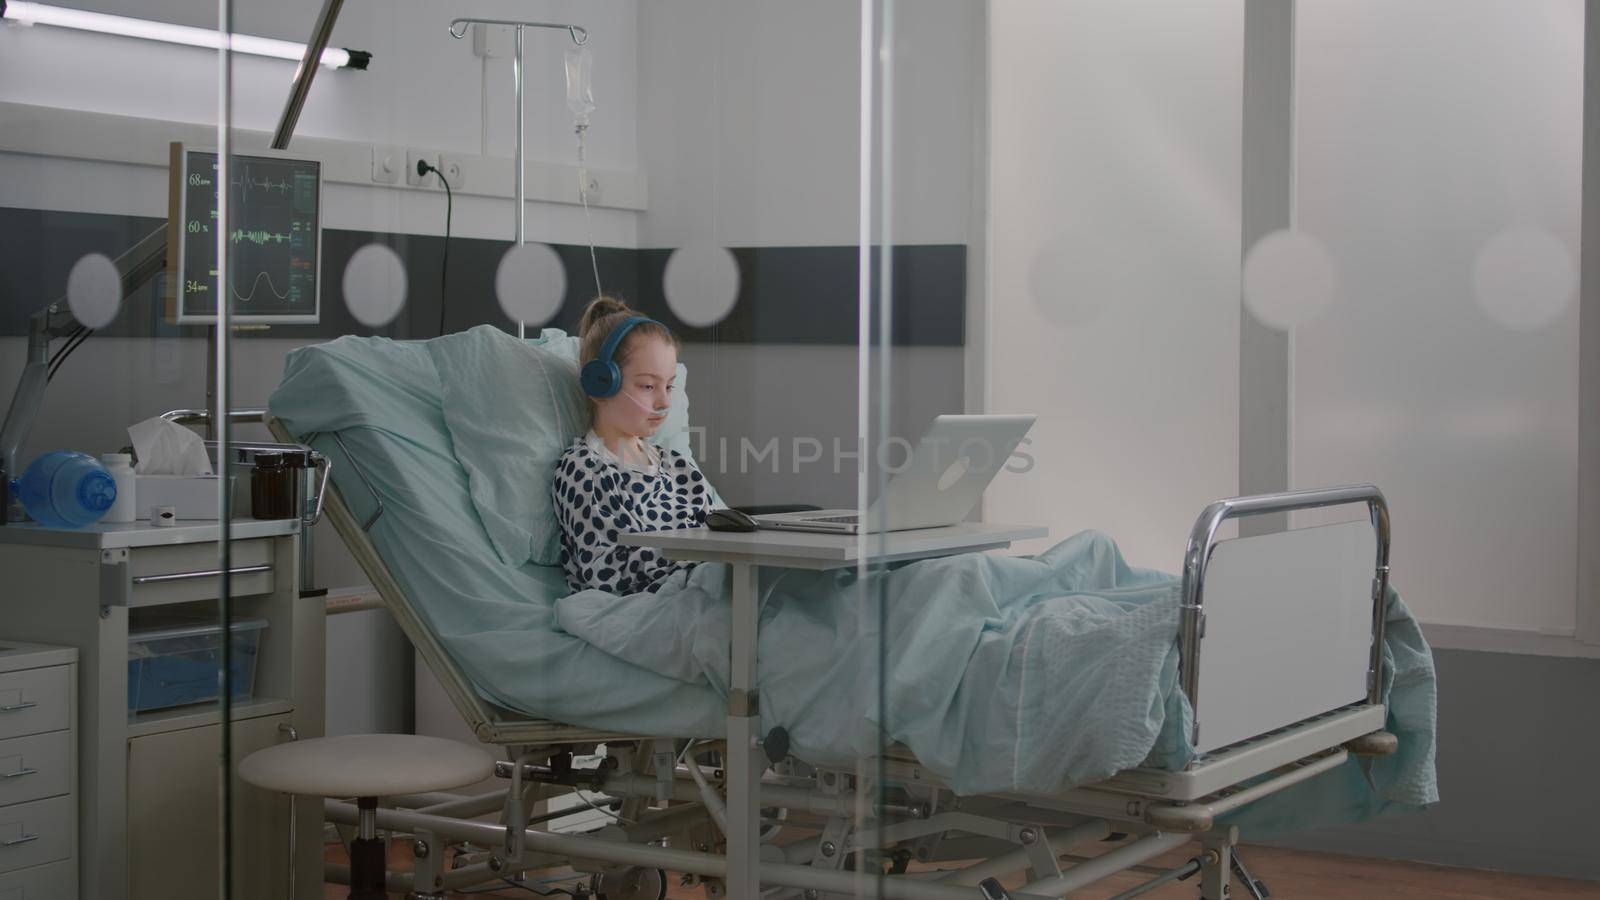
point(1203, 543)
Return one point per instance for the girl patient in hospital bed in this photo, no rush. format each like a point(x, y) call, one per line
point(1002, 615)
point(611, 480)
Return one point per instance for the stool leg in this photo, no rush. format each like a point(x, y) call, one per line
point(294, 824)
point(367, 855)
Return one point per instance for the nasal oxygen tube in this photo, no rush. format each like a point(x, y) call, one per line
point(652, 410)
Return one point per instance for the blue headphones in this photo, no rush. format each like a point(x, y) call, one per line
point(601, 377)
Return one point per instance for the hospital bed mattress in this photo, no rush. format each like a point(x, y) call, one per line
point(381, 399)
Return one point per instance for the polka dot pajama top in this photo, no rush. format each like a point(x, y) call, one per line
point(599, 496)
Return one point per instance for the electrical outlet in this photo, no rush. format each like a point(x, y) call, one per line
point(412, 178)
point(450, 165)
point(387, 163)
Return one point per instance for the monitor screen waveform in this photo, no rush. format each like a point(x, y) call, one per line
point(273, 237)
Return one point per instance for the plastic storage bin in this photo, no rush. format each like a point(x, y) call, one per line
point(175, 663)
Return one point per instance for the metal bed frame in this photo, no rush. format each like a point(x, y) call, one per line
point(672, 813)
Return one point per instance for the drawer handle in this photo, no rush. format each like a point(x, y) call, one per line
point(26, 704)
point(25, 839)
point(18, 773)
point(208, 573)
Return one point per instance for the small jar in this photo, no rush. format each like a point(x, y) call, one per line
point(120, 467)
point(271, 487)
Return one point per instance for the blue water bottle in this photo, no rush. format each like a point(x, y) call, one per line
point(63, 489)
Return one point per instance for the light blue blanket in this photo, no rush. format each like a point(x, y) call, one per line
point(1000, 673)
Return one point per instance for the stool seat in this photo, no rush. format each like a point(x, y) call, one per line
point(366, 765)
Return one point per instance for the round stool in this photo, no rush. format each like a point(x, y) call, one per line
point(366, 766)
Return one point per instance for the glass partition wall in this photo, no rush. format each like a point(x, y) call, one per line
point(1011, 291)
point(699, 163)
point(1223, 250)
point(116, 597)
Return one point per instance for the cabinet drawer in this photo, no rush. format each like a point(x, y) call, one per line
point(33, 701)
point(55, 881)
point(35, 833)
point(186, 572)
point(35, 767)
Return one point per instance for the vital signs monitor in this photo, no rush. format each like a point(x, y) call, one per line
point(274, 238)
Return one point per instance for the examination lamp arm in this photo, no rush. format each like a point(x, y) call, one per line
point(137, 266)
point(321, 31)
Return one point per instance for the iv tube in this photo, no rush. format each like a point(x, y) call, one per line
point(580, 100)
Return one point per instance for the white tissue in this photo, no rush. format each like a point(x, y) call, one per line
point(166, 448)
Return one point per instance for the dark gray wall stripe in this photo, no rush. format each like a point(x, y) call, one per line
point(799, 295)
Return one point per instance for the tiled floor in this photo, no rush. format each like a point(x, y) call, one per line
point(1291, 875)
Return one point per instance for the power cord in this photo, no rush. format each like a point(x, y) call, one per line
point(423, 168)
point(77, 337)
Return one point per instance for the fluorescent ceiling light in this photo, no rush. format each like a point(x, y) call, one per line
point(27, 13)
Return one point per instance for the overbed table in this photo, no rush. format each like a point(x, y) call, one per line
point(745, 552)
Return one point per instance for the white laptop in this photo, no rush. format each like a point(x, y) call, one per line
point(943, 480)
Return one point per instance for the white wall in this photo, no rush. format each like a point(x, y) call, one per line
point(1114, 156)
point(1425, 129)
point(750, 121)
point(749, 130)
point(424, 89)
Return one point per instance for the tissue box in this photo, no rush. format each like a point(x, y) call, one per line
point(193, 496)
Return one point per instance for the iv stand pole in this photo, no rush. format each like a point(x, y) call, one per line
point(580, 36)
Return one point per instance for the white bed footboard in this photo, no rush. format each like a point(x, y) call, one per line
point(1283, 627)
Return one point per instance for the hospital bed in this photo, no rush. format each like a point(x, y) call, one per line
point(1272, 710)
